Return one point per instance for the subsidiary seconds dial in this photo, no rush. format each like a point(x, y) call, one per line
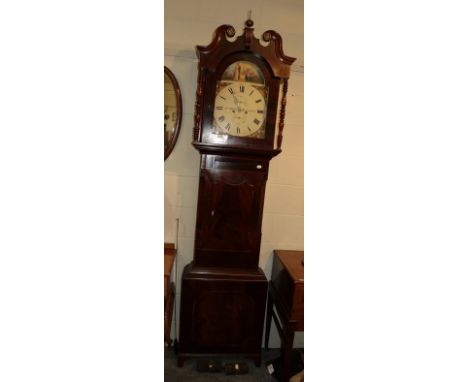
point(239, 108)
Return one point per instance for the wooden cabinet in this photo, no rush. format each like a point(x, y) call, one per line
point(287, 282)
point(286, 294)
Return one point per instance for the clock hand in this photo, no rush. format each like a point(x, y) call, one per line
point(236, 102)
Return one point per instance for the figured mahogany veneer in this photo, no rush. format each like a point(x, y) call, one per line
point(222, 312)
point(229, 212)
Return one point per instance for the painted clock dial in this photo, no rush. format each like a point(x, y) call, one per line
point(240, 103)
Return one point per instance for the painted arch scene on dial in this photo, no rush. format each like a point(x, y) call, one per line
point(241, 102)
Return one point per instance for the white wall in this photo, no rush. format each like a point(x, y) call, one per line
point(192, 22)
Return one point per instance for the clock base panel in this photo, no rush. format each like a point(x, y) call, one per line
point(222, 312)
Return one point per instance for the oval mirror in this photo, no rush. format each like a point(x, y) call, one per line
point(172, 111)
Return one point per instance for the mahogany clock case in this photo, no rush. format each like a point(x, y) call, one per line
point(224, 292)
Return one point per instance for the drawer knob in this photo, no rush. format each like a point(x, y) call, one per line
point(259, 166)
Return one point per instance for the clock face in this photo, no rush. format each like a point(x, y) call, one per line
point(241, 102)
point(240, 109)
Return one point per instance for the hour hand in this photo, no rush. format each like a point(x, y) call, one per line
point(236, 102)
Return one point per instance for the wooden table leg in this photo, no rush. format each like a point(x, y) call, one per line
point(269, 314)
point(287, 347)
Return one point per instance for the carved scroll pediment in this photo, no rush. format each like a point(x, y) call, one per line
point(223, 43)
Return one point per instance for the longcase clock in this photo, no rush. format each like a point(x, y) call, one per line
point(238, 127)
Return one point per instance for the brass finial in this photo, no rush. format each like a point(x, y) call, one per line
point(249, 23)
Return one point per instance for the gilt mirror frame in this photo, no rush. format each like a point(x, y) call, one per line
point(178, 118)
